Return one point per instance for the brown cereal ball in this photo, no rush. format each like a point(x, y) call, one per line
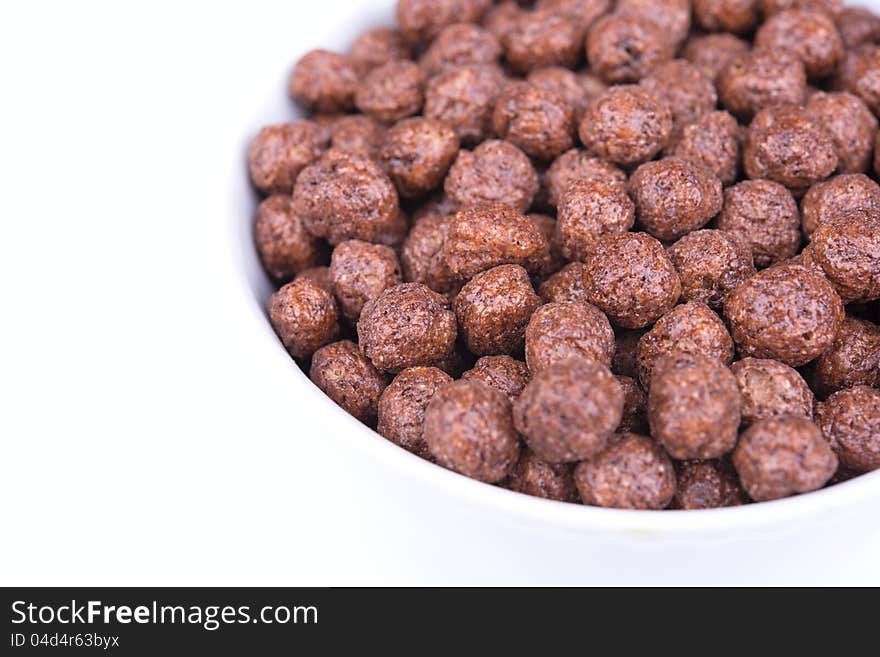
point(780, 457)
point(486, 236)
point(576, 89)
point(626, 48)
point(421, 21)
point(279, 152)
point(577, 165)
point(672, 16)
point(320, 276)
point(342, 197)
point(707, 485)
point(402, 407)
point(504, 373)
point(501, 19)
point(860, 75)
point(551, 481)
point(711, 263)
point(554, 260)
point(851, 125)
point(324, 81)
point(631, 279)
point(846, 249)
point(558, 331)
point(691, 328)
point(712, 52)
point(405, 326)
point(583, 12)
point(810, 36)
point(588, 210)
point(422, 254)
point(626, 360)
point(770, 389)
point(854, 358)
point(739, 16)
point(493, 309)
point(765, 214)
point(788, 313)
point(417, 153)
point(494, 172)
point(694, 406)
point(342, 373)
point(838, 196)
point(830, 7)
point(392, 92)
point(305, 317)
point(543, 38)
point(566, 285)
point(685, 89)
point(626, 125)
point(673, 197)
point(468, 428)
point(284, 245)
point(359, 272)
point(464, 97)
point(377, 47)
point(635, 407)
point(632, 473)
point(569, 410)
point(713, 142)
point(358, 134)
point(461, 44)
point(850, 422)
point(540, 122)
point(858, 26)
point(761, 78)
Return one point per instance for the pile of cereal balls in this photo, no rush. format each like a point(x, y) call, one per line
point(619, 253)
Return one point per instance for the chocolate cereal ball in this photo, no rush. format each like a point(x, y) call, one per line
point(577, 165)
point(551, 481)
point(566, 285)
point(761, 78)
point(694, 406)
point(305, 317)
point(765, 214)
point(417, 153)
point(342, 373)
point(830, 7)
point(542, 38)
point(377, 47)
point(846, 249)
point(631, 279)
point(392, 92)
point(494, 172)
point(770, 389)
point(576, 89)
point(422, 254)
point(684, 88)
point(739, 16)
point(279, 152)
point(711, 263)
point(788, 313)
point(324, 82)
point(672, 16)
point(780, 457)
point(540, 122)
point(405, 326)
point(501, 19)
point(421, 21)
point(343, 196)
point(850, 422)
point(632, 473)
point(569, 410)
point(583, 12)
point(284, 245)
point(403, 403)
point(860, 75)
point(589, 209)
point(690, 328)
point(358, 134)
point(713, 142)
point(461, 44)
point(674, 197)
point(853, 359)
point(486, 236)
point(504, 373)
point(635, 407)
point(468, 428)
point(707, 485)
point(559, 331)
point(359, 272)
point(851, 125)
point(838, 196)
point(858, 26)
point(493, 309)
point(464, 97)
point(712, 52)
point(626, 48)
point(626, 125)
point(810, 36)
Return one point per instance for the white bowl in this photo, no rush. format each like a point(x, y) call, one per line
point(425, 524)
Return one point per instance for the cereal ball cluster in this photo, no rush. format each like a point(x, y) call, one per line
point(622, 253)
